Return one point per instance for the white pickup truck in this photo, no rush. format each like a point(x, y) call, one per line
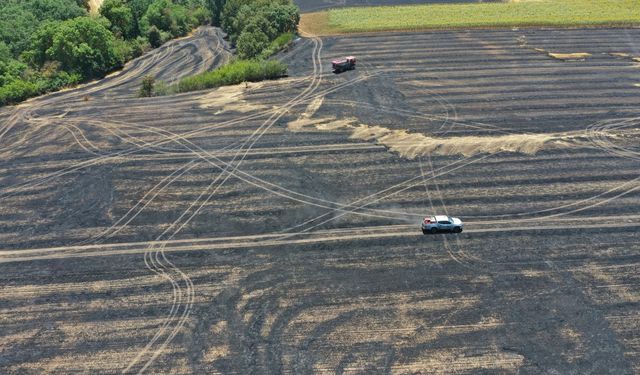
point(441, 223)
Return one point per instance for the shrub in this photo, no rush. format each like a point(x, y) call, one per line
point(123, 50)
point(161, 88)
point(233, 73)
point(154, 36)
point(16, 91)
point(36, 83)
point(281, 42)
point(139, 46)
point(146, 89)
point(57, 81)
point(10, 70)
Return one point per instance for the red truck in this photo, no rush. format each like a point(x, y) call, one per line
point(342, 65)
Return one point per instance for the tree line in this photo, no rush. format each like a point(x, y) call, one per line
point(49, 44)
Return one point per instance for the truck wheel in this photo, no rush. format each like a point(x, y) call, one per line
point(457, 230)
point(424, 231)
point(434, 230)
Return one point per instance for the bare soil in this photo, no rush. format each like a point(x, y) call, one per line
point(94, 6)
point(247, 230)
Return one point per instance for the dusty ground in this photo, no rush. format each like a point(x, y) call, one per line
point(274, 227)
point(94, 6)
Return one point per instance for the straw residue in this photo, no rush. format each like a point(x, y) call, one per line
point(305, 117)
point(413, 145)
point(230, 98)
point(570, 56)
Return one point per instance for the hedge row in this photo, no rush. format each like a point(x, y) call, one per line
point(233, 73)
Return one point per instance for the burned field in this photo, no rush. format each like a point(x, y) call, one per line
point(274, 227)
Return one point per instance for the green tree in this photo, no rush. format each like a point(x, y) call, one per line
point(54, 9)
point(272, 17)
point(41, 41)
point(201, 16)
point(154, 36)
point(5, 52)
point(167, 16)
point(251, 43)
point(84, 45)
point(16, 26)
point(215, 9)
point(121, 17)
point(20, 18)
point(259, 23)
point(284, 18)
point(158, 14)
point(139, 8)
point(232, 25)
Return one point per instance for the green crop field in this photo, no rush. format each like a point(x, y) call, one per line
point(470, 15)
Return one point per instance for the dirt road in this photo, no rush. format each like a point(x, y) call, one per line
point(94, 6)
point(274, 227)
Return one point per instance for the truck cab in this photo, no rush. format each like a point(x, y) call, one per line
point(342, 65)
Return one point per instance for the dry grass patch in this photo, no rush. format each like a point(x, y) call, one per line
point(619, 54)
point(623, 55)
point(312, 24)
point(578, 56)
point(413, 145)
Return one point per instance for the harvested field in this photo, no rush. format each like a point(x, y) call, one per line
point(315, 5)
point(247, 230)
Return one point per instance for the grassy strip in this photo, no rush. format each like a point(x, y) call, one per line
point(277, 45)
point(233, 73)
point(470, 15)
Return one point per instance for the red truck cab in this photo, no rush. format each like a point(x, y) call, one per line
point(342, 65)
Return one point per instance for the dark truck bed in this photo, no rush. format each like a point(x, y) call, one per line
point(341, 65)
